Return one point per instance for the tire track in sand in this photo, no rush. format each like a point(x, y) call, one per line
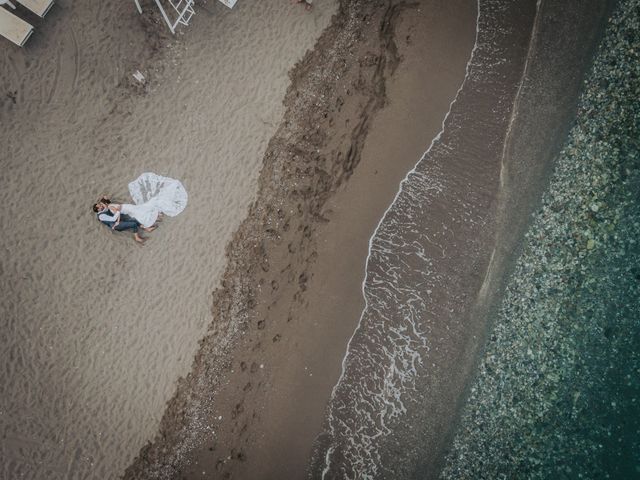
point(65, 79)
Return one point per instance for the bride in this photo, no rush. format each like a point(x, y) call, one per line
point(153, 195)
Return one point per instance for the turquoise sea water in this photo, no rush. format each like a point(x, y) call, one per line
point(558, 388)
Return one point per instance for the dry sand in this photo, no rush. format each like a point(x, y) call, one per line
point(96, 330)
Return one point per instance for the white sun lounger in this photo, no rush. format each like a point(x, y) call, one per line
point(14, 28)
point(39, 7)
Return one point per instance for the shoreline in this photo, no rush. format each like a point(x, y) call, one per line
point(426, 270)
point(543, 108)
point(288, 328)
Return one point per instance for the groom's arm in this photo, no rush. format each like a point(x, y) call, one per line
point(105, 217)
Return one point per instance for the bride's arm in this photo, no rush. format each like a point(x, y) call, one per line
point(115, 209)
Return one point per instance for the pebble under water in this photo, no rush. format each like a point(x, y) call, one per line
point(557, 393)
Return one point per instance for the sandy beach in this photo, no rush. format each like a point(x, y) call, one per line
point(361, 176)
point(96, 330)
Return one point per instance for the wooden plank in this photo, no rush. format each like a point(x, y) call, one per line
point(39, 7)
point(14, 28)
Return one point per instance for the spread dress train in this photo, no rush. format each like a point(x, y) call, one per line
point(152, 195)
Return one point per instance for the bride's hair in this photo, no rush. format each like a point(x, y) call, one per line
point(105, 200)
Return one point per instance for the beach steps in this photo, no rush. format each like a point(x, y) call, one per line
point(180, 12)
point(13, 27)
point(39, 7)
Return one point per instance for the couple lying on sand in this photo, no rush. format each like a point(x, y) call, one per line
point(153, 196)
point(114, 216)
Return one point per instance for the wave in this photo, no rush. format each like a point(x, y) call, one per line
point(425, 264)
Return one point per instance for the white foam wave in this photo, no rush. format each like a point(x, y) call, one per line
point(405, 350)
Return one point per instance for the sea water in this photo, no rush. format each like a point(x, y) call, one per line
point(558, 389)
point(424, 258)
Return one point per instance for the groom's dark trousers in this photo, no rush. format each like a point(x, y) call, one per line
point(126, 223)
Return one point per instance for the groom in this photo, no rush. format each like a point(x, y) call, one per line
point(106, 217)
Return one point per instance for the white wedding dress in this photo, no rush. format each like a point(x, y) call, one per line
point(152, 195)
